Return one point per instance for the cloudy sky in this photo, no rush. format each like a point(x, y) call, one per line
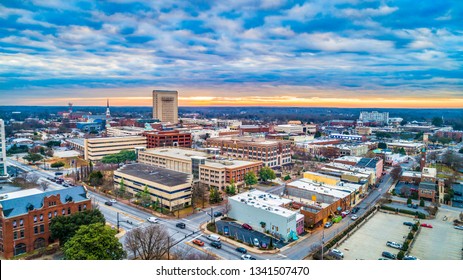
point(343, 53)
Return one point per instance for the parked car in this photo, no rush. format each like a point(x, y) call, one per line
point(410, 258)
point(415, 206)
point(226, 230)
point(109, 203)
point(328, 224)
point(263, 245)
point(388, 255)
point(113, 200)
point(153, 219)
point(246, 226)
point(217, 214)
point(213, 237)
point(426, 225)
point(355, 210)
point(336, 253)
point(354, 217)
point(256, 242)
point(408, 224)
point(216, 244)
point(198, 242)
point(180, 225)
point(241, 250)
point(246, 257)
point(394, 245)
point(458, 227)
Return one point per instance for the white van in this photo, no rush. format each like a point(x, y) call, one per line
point(214, 237)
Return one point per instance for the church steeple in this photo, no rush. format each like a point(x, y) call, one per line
point(108, 113)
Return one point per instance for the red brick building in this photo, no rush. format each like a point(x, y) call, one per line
point(168, 139)
point(26, 217)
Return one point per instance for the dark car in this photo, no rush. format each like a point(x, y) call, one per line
point(180, 225)
point(388, 255)
point(246, 226)
point(226, 230)
point(241, 250)
point(355, 210)
point(217, 214)
point(216, 244)
point(109, 203)
point(408, 224)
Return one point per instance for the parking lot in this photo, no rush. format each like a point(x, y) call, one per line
point(245, 235)
point(442, 242)
point(369, 241)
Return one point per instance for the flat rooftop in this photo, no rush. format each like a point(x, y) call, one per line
point(154, 174)
point(182, 154)
point(406, 144)
point(309, 185)
point(269, 202)
point(228, 163)
point(78, 141)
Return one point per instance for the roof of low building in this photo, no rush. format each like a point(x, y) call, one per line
point(427, 186)
point(155, 174)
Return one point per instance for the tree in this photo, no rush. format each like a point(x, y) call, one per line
point(227, 207)
point(214, 195)
point(266, 173)
point(231, 189)
point(121, 157)
point(121, 188)
point(198, 193)
point(148, 243)
point(94, 242)
point(409, 201)
point(318, 134)
point(436, 121)
point(422, 202)
point(53, 143)
point(95, 178)
point(382, 145)
point(44, 185)
point(32, 157)
point(396, 172)
point(400, 255)
point(287, 177)
point(144, 196)
point(250, 178)
point(64, 227)
point(57, 164)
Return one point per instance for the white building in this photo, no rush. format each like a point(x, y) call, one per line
point(288, 128)
point(374, 116)
point(3, 170)
point(264, 212)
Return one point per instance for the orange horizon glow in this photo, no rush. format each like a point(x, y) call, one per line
point(256, 101)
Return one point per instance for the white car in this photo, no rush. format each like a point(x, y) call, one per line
point(113, 200)
point(153, 219)
point(246, 257)
point(337, 253)
point(458, 227)
point(354, 217)
point(256, 242)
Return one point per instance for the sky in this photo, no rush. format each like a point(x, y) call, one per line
point(338, 53)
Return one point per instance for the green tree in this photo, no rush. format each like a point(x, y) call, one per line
point(287, 177)
point(422, 202)
point(64, 227)
point(32, 157)
point(122, 187)
point(214, 195)
point(400, 255)
point(121, 157)
point(436, 121)
point(409, 201)
point(52, 143)
point(231, 188)
point(57, 164)
point(144, 196)
point(95, 178)
point(382, 145)
point(318, 134)
point(266, 173)
point(250, 178)
point(94, 242)
point(402, 151)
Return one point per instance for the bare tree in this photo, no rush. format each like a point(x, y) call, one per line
point(226, 207)
point(44, 185)
point(396, 172)
point(199, 193)
point(33, 179)
point(188, 254)
point(149, 243)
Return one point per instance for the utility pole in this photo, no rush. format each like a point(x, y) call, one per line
point(323, 241)
point(117, 221)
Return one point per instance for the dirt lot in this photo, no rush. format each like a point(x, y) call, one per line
point(442, 242)
point(369, 241)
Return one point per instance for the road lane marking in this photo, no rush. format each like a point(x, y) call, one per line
point(120, 211)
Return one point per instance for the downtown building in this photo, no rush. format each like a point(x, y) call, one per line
point(3, 165)
point(374, 117)
point(169, 138)
point(25, 217)
point(273, 153)
point(165, 106)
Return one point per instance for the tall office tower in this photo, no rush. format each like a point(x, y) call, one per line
point(3, 171)
point(165, 105)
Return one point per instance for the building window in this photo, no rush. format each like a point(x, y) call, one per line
point(85, 206)
point(36, 230)
point(35, 219)
point(63, 212)
point(69, 210)
point(42, 228)
point(41, 217)
point(49, 215)
point(22, 233)
point(15, 224)
point(55, 213)
point(15, 235)
point(21, 222)
point(80, 208)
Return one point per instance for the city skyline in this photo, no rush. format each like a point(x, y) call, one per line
point(343, 53)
